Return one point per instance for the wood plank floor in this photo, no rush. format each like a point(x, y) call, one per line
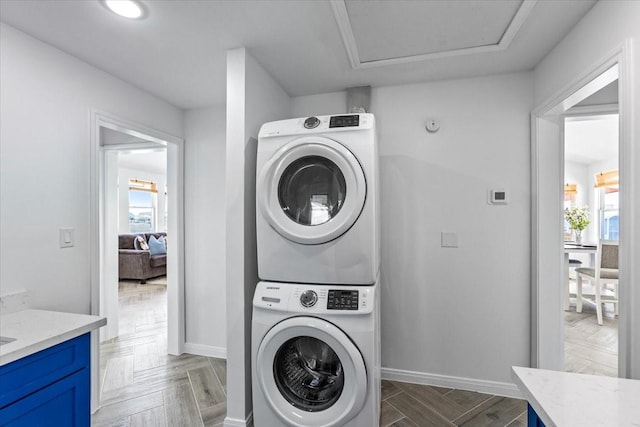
point(143, 386)
point(591, 348)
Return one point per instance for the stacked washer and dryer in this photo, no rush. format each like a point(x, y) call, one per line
point(316, 310)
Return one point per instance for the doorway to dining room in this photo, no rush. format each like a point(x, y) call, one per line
point(591, 207)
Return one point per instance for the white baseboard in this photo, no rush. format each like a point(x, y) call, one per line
point(470, 384)
point(236, 422)
point(205, 350)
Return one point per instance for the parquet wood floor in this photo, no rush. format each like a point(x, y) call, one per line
point(143, 386)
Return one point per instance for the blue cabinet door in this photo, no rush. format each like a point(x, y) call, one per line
point(62, 404)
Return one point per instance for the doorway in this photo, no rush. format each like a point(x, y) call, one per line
point(591, 150)
point(547, 346)
point(109, 135)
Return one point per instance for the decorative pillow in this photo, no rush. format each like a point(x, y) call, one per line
point(157, 246)
point(140, 244)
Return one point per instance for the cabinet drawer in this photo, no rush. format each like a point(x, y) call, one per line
point(31, 373)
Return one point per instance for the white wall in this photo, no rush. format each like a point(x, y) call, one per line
point(205, 232)
point(124, 175)
point(606, 27)
point(45, 99)
point(454, 312)
point(578, 173)
point(253, 97)
point(319, 105)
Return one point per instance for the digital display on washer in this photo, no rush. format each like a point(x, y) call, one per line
point(344, 121)
point(342, 300)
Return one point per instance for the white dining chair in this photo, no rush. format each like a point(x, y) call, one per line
point(602, 277)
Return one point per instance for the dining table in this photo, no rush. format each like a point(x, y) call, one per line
point(575, 248)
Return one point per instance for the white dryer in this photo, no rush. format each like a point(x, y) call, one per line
point(315, 355)
point(316, 200)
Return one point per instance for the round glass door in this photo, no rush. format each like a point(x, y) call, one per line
point(308, 373)
point(311, 373)
point(312, 190)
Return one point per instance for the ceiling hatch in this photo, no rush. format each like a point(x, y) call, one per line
point(377, 33)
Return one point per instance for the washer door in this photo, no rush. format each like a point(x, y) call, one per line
point(312, 190)
point(311, 373)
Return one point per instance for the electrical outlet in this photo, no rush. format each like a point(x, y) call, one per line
point(449, 239)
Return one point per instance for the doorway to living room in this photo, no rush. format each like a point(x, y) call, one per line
point(145, 290)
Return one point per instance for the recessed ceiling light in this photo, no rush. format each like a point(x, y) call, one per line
point(127, 8)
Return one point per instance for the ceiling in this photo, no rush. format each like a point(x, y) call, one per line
point(143, 156)
point(178, 52)
point(152, 161)
point(591, 139)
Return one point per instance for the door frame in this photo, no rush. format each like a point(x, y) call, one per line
point(547, 159)
point(175, 263)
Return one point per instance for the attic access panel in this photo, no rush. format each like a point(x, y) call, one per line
point(388, 32)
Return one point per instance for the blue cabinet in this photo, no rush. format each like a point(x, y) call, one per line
point(533, 420)
point(49, 388)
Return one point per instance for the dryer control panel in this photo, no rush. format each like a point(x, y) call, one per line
point(351, 120)
point(317, 299)
point(327, 125)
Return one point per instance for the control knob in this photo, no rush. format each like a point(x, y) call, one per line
point(308, 298)
point(311, 122)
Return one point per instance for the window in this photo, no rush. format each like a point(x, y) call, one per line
point(570, 191)
point(166, 210)
point(609, 211)
point(142, 202)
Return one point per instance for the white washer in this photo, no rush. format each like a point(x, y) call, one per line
point(317, 215)
point(315, 355)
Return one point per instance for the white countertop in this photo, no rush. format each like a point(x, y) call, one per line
point(36, 330)
point(563, 399)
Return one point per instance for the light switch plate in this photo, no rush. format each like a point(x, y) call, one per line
point(449, 239)
point(67, 237)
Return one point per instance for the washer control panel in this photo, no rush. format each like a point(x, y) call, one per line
point(316, 299)
point(342, 300)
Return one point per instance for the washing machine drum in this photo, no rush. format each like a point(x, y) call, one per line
point(311, 373)
point(312, 190)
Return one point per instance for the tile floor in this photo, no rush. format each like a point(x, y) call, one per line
point(591, 348)
point(143, 386)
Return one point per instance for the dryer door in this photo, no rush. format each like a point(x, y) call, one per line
point(311, 373)
point(312, 190)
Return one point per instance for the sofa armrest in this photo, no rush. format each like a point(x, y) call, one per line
point(133, 263)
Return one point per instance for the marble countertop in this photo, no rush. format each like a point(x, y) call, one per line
point(564, 399)
point(35, 330)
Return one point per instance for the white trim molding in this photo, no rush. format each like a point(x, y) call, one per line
point(235, 422)
point(341, 14)
point(459, 383)
point(205, 350)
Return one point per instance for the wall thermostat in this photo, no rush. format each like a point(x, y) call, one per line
point(498, 197)
point(432, 126)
